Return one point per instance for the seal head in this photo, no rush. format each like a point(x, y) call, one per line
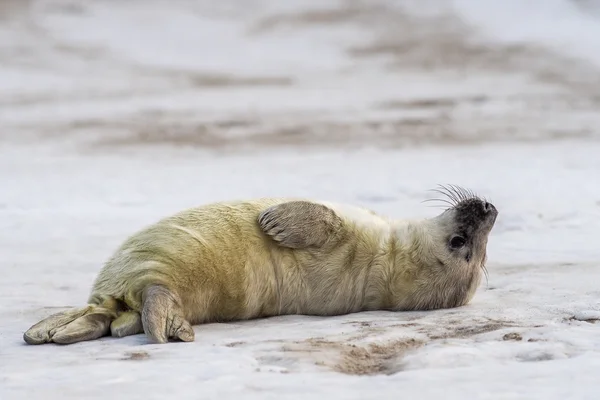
point(451, 249)
point(470, 222)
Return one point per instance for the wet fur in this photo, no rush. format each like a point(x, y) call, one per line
point(267, 257)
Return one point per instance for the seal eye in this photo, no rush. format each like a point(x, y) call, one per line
point(457, 242)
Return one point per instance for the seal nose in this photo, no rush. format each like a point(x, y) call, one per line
point(488, 207)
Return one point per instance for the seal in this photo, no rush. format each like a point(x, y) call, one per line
point(264, 257)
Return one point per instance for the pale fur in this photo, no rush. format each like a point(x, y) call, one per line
point(216, 264)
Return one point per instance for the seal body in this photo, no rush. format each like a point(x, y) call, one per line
point(265, 257)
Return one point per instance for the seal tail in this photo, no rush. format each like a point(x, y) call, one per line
point(76, 325)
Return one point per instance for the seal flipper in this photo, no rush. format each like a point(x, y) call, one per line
point(88, 327)
point(300, 224)
point(71, 326)
point(128, 323)
point(162, 317)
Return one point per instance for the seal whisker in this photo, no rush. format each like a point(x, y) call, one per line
point(444, 191)
point(486, 273)
point(439, 191)
point(445, 201)
point(466, 194)
point(459, 192)
point(439, 207)
point(455, 193)
point(443, 205)
point(472, 194)
point(462, 193)
point(451, 193)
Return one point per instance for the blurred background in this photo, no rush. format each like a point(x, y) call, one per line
point(239, 75)
point(115, 113)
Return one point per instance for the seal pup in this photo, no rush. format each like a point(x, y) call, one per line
point(265, 257)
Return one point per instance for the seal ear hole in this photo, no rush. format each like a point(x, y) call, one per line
point(457, 242)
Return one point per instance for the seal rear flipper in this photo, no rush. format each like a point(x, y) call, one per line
point(128, 323)
point(66, 327)
point(88, 327)
point(300, 224)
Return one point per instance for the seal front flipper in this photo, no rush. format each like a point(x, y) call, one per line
point(162, 316)
point(300, 224)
